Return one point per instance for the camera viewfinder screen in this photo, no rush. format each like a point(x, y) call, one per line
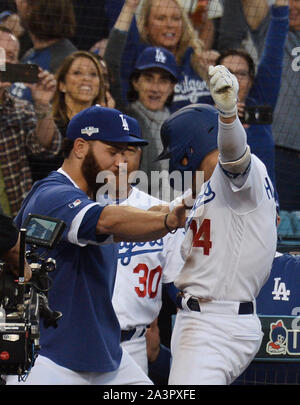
point(40, 229)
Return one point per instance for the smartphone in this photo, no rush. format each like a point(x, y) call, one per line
point(20, 72)
point(258, 115)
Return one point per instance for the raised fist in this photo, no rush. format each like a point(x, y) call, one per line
point(224, 89)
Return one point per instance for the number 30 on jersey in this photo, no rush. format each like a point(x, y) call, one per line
point(201, 236)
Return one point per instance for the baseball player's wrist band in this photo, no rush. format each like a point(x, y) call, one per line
point(166, 225)
point(228, 114)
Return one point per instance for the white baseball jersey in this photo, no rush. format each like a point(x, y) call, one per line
point(231, 237)
point(142, 268)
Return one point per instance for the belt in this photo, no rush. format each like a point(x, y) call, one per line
point(128, 334)
point(193, 304)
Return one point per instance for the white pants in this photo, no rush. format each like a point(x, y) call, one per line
point(46, 372)
point(212, 348)
point(137, 348)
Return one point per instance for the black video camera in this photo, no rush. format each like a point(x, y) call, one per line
point(23, 304)
point(257, 115)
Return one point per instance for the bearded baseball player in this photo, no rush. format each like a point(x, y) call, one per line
point(230, 240)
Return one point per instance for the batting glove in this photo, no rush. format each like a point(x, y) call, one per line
point(224, 89)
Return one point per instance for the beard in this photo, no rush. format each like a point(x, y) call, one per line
point(90, 170)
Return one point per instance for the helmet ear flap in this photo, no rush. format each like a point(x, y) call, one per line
point(185, 160)
point(187, 155)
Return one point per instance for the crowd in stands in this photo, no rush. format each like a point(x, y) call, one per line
point(252, 39)
point(148, 59)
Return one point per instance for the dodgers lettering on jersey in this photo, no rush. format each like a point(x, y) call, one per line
point(190, 90)
point(142, 269)
point(127, 250)
point(203, 198)
point(228, 253)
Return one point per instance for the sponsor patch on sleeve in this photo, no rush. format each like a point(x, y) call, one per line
point(75, 203)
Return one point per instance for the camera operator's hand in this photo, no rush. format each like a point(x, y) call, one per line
point(11, 259)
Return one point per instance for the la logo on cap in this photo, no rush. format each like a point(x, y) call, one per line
point(124, 122)
point(160, 56)
point(89, 131)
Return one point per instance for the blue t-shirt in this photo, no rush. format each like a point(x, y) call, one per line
point(87, 337)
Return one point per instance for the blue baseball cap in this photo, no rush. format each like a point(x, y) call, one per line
point(155, 57)
point(4, 15)
point(98, 123)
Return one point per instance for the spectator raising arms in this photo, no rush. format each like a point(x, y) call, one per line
point(286, 118)
point(255, 16)
point(262, 88)
point(164, 23)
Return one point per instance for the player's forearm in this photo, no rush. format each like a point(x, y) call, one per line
point(132, 224)
point(235, 155)
point(232, 139)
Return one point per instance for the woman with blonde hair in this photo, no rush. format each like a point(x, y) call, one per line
point(164, 23)
point(188, 38)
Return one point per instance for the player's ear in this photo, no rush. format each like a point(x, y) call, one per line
point(80, 148)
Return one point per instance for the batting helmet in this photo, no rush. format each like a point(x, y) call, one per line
point(190, 132)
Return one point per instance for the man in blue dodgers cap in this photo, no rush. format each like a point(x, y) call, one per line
point(85, 346)
point(151, 89)
point(150, 93)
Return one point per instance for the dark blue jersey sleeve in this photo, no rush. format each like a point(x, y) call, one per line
point(87, 228)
